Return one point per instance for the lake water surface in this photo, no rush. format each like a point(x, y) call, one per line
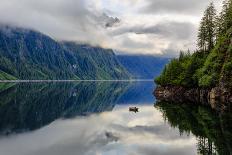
point(92, 118)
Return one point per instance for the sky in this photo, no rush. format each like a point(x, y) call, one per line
point(157, 27)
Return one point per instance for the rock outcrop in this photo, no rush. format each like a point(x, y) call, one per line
point(217, 98)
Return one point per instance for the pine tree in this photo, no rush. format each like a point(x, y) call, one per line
point(225, 18)
point(202, 35)
point(181, 55)
point(211, 26)
point(207, 29)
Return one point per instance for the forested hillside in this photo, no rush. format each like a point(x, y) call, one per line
point(211, 64)
point(94, 62)
point(27, 54)
point(143, 66)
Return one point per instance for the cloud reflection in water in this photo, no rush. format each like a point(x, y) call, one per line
point(116, 132)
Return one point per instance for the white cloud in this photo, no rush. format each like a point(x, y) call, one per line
point(146, 27)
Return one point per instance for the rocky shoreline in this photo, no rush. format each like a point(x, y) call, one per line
point(217, 98)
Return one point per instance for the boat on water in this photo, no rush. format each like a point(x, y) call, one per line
point(133, 109)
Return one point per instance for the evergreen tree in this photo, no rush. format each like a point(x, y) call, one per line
point(224, 20)
point(203, 69)
point(181, 55)
point(202, 35)
point(207, 29)
point(211, 26)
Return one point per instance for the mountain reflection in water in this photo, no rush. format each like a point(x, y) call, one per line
point(117, 132)
point(28, 106)
point(93, 118)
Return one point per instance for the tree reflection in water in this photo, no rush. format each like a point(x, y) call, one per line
point(212, 128)
point(29, 106)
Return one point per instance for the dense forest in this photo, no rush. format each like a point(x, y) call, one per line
point(29, 55)
point(211, 64)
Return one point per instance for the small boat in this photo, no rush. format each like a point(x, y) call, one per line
point(134, 109)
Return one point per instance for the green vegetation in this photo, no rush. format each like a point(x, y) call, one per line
point(4, 86)
point(29, 106)
point(5, 76)
point(211, 128)
point(30, 55)
point(211, 64)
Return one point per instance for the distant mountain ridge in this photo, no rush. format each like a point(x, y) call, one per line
point(143, 66)
point(27, 54)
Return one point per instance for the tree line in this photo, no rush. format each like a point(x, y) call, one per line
point(211, 63)
point(213, 25)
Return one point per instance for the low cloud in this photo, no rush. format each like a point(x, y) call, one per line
point(134, 27)
point(167, 29)
point(77, 20)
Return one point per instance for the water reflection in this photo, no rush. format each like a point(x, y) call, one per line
point(212, 128)
point(28, 106)
point(93, 118)
point(117, 132)
point(138, 93)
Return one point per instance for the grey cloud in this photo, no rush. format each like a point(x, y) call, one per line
point(149, 150)
point(63, 19)
point(127, 42)
point(112, 22)
point(107, 21)
point(171, 52)
point(168, 29)
point(83, 21)
point(176, 6)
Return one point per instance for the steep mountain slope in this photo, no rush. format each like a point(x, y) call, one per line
point(96, 62)
point(143, 66)
point(26, 54)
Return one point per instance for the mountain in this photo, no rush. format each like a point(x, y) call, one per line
point(143, 66)
point(27, 54)
point(94, 62)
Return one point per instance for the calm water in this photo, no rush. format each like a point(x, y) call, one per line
point(92, 118)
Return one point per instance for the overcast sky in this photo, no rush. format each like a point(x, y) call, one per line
point(158, 27)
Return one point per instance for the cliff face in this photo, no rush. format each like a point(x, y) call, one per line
point(217, 97)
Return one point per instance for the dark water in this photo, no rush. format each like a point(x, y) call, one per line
point(92, 118)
